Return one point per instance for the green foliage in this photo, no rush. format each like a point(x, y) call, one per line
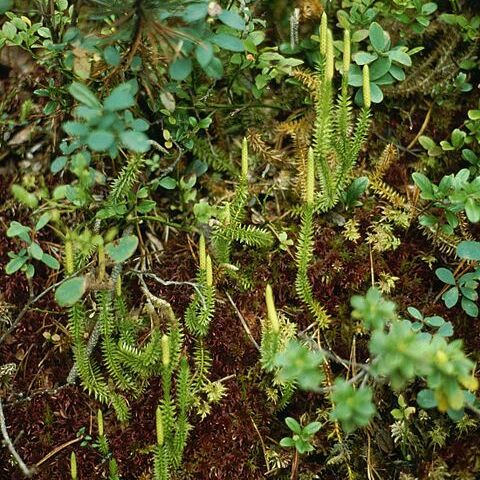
point(454, 194)
point(372, 309)
point(188, 31)
point(353, 407)
point(386, 64)
point(401, 354)
point(107, 126)
point(230, 228)
point(336, 142)
point(297, 363)
point(302, 436)
point(32, 250)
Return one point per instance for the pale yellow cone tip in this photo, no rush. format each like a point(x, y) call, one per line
point(323, 34)
point(310, 177)
point(165, 350)
point(244, 157)
point(73, 466)
point(346, 51)
point(271, 310)
point(69, 260)
point(159, 425)
point(329, 64)
point(209, 271)
point(100, 422)
point(202, 253)
point(118, 286)
point(367, 99)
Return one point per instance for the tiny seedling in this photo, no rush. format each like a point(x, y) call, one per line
point(22, 259)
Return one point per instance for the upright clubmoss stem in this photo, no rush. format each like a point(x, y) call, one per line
point(367, 99)
point(310, 178)
point(323, 34)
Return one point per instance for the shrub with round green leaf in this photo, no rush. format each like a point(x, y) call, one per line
point(465, 287)
point(302, 436)
point(31, 251)
point(70, 291)
point(107, 126)
point(299, 364)
point(353, 407)
point(386, 64)
point(401, 354)
point(122, 249)
point(450, 373)
point(372, 309)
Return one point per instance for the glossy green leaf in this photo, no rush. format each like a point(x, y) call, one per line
point(15, 264)
point(180, 69)
point(120, 98)
point(70, 291)
point(122, 249)
point(83, 94)
point(50, 261)
point(100, 140)
point(135, 141)
point(426, 398)
point(228, 42)
point(232, 19)
point(378, 37)
point(445, 275)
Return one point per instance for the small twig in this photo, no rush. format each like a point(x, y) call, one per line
point(58, 449)
point(264, 449)
point(422, 128)
point(244, 323)
point(25, 470)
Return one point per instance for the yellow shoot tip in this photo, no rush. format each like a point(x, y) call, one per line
point(244, 157)
point(346, 51)
point(329, 63)
point(209, 271)
point(271, 311)
point(367, 98)
point(202, 252)
point(310, 178)
point(165, 350)
point(323, 34)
